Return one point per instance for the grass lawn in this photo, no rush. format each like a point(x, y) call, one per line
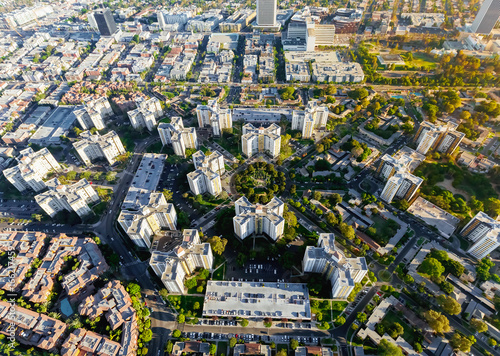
point(384, 230)
point(185, 303)
point(219, 273)
point(323, 308)
point(391, 318)
point(222, 348)
point(421, 241)
point(338, 308)
point(384, 275)
point(421, 59)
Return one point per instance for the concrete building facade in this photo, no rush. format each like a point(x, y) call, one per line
point(31, 169)
point(484, 232)
point(214, 116)
point(444, 138)
point(93, 113)
point(313, 117)
point(259, 219)
point(76, 197)
point(255, 140)
point(91, 147)
point(175, 134)
point(342, 272)
point(146, 115)
point(174, 262)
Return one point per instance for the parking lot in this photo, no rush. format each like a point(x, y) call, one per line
point(258, 270)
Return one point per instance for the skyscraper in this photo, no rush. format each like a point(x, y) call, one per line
point(266, 12)
point(487, 17)
point(105, 22)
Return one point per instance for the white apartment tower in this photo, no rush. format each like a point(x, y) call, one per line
point(76, 197)
point(214, 116)
point(93, 113)
point(487, 17)
point(146, 114)
point(255, 140)
point(31, 169)
point(444, 138)
point(206, 177)
point(91, 147)
point(151, 217)
point(342, 272)
point(266, 13)
point(484, 232)
point(173, 264)
point(178, 136)
point(259, 219)
point(312, 118)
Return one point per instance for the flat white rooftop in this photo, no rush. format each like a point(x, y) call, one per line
point(257, 300)
point(434, 216)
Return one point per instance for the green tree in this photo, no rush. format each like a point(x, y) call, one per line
point(218, 245)
point(437, 321)
point(432, 267)
point(479, 325)
point(196, 305)
point(181, 318)
point(395, 330)
point(232, 342)
point(176, 333)
point(281, 352)
point(347, 231)
point(483, 269)
point(461, 342)
point(449, 305)
point(213, 349)
point(244, 322)
point(361, 317)
point(387, 348)
point(294, 344)
point(167, 194)
point(340, 321)
point(331, 218)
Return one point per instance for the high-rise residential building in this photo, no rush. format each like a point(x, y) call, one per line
point(31, 169)
point(259, 219)
point(76, 197)
point(487, 17)
point(266, 13)
point(178, 136)
point(207, 176)
point(256, 140)
point(105, 22)
point(91, 147)
point(442, 138)
point(484, 232)
point(212, 160)
point(342, 272)
point(146, 114)
point(93, 113)
point(144, 211)
point(214, 116)
point(173, 261)
point(204, 180)
point(400, 183)
point(313, 117)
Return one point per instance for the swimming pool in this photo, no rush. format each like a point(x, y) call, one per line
point(66, 309)
point(397, 96)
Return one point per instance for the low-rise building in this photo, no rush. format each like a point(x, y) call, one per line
point(83, 341)
point(191, 348)
point(32, 168)
point(93, 113)
point(146, 114)
point(259, 219)
point(342, 272)
point(176, 255)
point(261, 140)
point(76, 197)
point(91, 147)
point(252, 349)
point(178, 136)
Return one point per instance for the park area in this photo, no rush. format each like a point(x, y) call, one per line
point(388, 326)
point(382, 230)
